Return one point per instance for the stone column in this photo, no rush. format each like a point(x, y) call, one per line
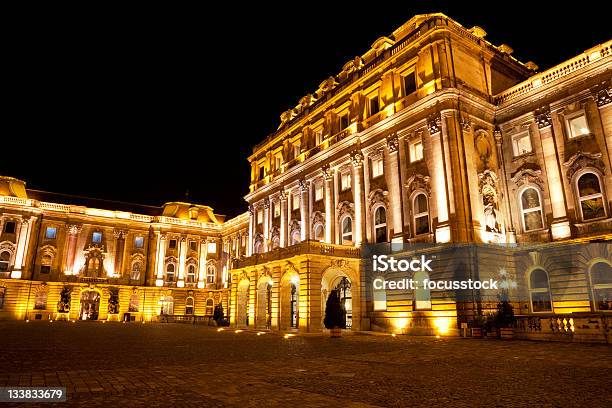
point(510, 233)
point(283, 219)
point(266, 225)
point(249, 250)
point(395, 192)
point(182, 259)
point(22, 247)
point(119, 249)
point(202, 263)
point(358, 196)
point(71, 243)
point(434, 126)
point(328, 183)
point(160, 258)
point(305, 209)
point(560, 225)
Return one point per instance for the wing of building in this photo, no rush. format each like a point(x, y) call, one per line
point(433, 138)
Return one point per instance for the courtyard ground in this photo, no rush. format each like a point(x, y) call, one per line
point(165, 365)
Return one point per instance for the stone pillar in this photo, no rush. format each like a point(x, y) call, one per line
point(249, 250)
point(71, 243)
point(510, 233)
point(395, 192)
point(182, 259)
point(160, 258)
point(284, 221)
point(305, 209)
point(266, 225)
point(119, 250)
point(560, 225)
point(328, 176)
point(439, 186)
point(202, 263)
point(25, 230)
point(358, 196)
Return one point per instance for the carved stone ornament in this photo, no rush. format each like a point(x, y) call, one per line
point(251, 210)
point(266, 203)
point(327, 172)
point(581, 160)
point(466, 124)
point(283, 195)
point(528, 176)
point(487, 180)
point(74, 229)
point(543, 118)
point(603, 97)
point(378, 196)
point(304, 185)
point(418, 182)
point(345, 207)
point(318, 218)
point(393, 143)
point(434, 123)
point(357, 158)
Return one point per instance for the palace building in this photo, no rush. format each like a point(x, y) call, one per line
point(433, 138)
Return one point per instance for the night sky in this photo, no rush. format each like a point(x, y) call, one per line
point(142, 105)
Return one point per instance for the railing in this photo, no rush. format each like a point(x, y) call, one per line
point(306, 247)
point(546, 324)
point(54, 207)
point(192, 319)
point(89, 279)
point(15, 200)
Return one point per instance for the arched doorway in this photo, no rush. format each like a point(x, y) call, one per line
point(166, 306)
point(264, 303)
point(340, 281)
point(90, 305)
point(242, 304)
point(290, 302)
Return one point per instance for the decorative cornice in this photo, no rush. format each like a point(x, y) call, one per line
point(528, 176)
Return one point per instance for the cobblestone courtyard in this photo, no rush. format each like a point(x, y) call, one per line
point(182, 365)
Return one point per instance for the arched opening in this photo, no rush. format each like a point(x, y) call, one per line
point(166, 305)
point(319, 232)
point(5, 259)
point(264, 303)
point(242, 304)
point(189, 305)
point(346, 234)
point(191, 273)
point(136, 268)
point(338, 280)
point(601, 285)
point(380, 225)
point(531, 208)
point(170, 270)
point(420, 209)
point(134, 306)
point(539, 291)
point(90, 305)
point(290, 301)
point(211, 274)
point(590, 196)
point(94, 266)
point(45, 263)
point(210, 307)
point(295, 237)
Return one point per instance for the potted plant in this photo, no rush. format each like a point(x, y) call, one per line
point(335, 319)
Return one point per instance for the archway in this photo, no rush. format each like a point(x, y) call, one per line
point(290, 301)
point(242, 304)
point(90, 305)
point(264, 303)
point(342, 281)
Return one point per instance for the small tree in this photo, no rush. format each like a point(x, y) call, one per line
point(63, 306)
point(335, 317)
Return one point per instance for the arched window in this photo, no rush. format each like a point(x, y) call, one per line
point(191, 273)
point(167, 305)
point(380, 224)
point(134, 305)
point(531, 208)
point(422, 294)
point(295, 237)
point(275, 242)
point(257, 247)
point(380, 297)
point(5, 259)
point(420, 210)
point(319, 232)
point(189, 306)
point(590, 196)
point(170, 269)
point(539, 291)
point(135, 272)
point(347, 231)
point(211, 272)
point(601, 284)
point(40, 301)
point(210, 307)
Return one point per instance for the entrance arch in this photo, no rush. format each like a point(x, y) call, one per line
point(346, 283)
point(90, 305)
point(264, 303)
point(290, 301)
point(242, 304)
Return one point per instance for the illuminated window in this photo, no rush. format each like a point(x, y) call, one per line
point(380, 224)
point(211, 273)
point(377, 167)
point(531, 207)
point(189, 305)
point(9, 227)
point(295, 199)
point(278, 161)
point(135, 272)
point(297, 149)
point(421, 214)
point(193, 245)
point(416, 151)
point(45, 264)
point(212, 247)
point(51, 233)
point(521, 144)
point(374, 105)
point(40, 301)
point(601, 284)
point(260, 216)
point(318, 191)
point(191, 273)
point(345, 181)
point(5, 258)
point(344, 121)
point(172, 244)
point(276, 206)
point(319, 232)
point(422, 294)
point(409, 82)
point(96, 237)
point(318, 136)
point(539, 291)
point(577, 125)
point(139, 242)
point(210, 307)
point(167, 305)
point(170, 269)
point(262, 172)
point(347, 231)
point(590, 197)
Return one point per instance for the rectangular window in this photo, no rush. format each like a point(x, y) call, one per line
point(521, 144)
point(344, 121)
point(297, 149)
point(51, 233)
point(345, 181)
point(374, 105)
point(416, 151)
point(377, 167)
point(278, 161)
point(139, 242)
point(318, 136)
point(96, 237)
point(276, 209)
point(262, 172)
point(172, 244)
point(9, 227)
point(295, 202)
point(193, 245)
point(212, 247)
point(260, 216)
point(45, 269)
point(318, 192)
point(577, 125)
point(410, 85)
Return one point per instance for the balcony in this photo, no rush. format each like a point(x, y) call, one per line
point(303, 248)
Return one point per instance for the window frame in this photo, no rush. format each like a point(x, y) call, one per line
point(601, 194)
point(569, 117)
point(529, 210)
point(95, 234)
point(516, 138)
point(420, 215)
point(139, 238)
point(343, 234)
point(384, 225)
point(377, 163)
point(540, 290)
point(600, 286)
point(411, 71)
point(348, 175)
point(412, 150)
point(48, 229)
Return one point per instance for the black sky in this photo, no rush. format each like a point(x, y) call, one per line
point(141, 105)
